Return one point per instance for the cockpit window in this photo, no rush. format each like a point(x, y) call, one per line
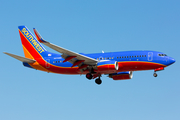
point(162, 55)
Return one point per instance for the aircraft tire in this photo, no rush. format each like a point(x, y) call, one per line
point(98, 81)
point(155, 74)
point(89, 76)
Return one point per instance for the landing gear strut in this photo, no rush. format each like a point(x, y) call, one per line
point(155, 74)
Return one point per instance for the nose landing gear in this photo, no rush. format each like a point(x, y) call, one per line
point(157, 69)
point(155, 74)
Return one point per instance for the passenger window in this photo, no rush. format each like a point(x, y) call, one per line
point(144, 55)
point(112, 57)
point(127, 56)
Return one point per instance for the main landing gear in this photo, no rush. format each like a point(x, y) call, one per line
point(98, 81)
point(90, 76)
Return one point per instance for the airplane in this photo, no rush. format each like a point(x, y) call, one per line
point(117, 65)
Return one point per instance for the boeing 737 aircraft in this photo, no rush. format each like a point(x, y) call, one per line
point(117, 65)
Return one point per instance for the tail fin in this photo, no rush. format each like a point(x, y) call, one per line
point(31, 46)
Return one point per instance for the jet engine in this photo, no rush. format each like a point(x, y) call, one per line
point(107, 66)
point(121, 75)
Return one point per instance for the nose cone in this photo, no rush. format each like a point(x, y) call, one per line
point(171, 60)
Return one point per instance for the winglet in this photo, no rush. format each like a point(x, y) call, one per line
point(39, 37)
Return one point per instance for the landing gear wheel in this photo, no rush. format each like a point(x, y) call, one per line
point(155, 74)
point(89, 76)
point(98, 81)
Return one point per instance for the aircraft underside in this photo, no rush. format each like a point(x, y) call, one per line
point(124, 71)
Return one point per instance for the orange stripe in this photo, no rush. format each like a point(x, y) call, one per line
point(27, 54)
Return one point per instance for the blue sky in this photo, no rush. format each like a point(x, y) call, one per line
point(90, 27)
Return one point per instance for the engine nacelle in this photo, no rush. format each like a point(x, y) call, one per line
point(121, 75)
point(107, 66)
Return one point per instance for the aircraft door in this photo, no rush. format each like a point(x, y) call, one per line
point(150, 56)
point(47, 63)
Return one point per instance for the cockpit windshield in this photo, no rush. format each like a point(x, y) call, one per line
point(162, 55)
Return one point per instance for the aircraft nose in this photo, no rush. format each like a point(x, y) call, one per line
point(171, 60)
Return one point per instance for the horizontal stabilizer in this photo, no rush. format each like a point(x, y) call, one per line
point(22, 59)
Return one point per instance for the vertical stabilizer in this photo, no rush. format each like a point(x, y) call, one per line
point(31, 46)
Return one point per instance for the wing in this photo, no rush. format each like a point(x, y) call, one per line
point(73, 57)
point(67, 53)
point(22, 59)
